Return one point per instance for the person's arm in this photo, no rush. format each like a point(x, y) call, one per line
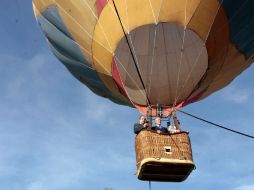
point(176, 122)
point(146, 125)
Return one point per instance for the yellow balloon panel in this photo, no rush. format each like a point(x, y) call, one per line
point(41, 5)
point(108, 31)
point(202, 20)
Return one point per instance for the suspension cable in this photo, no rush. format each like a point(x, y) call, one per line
point(216, 125)
point(150, 185)
point(132, 55)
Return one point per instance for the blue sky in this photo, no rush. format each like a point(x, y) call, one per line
point(55, 134)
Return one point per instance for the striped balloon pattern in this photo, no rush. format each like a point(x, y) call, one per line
point(148, 52)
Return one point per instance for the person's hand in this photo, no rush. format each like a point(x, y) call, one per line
point(145, 125)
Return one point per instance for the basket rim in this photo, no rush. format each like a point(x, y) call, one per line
point(162, 160)
point(169, 134)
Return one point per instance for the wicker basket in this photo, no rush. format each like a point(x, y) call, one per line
point(163, 157)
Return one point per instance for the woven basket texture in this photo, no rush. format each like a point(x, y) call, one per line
point(150, 144)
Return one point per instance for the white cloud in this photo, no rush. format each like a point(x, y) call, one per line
point(59, 135)
point(53, 126)
point(245, 187)
point(37, 185)
point(237, 94)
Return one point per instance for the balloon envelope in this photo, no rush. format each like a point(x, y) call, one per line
point(176, 52)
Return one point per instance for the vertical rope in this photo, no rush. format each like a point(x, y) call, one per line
point(129, 75)
point(167, 62)
point(182, 50)
point(152, 11)
point(198, 56)
point(157, 19)
point(151, 71)
point(135, 63)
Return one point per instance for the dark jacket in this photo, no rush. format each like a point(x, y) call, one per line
point(162, 129)
point(137, 128)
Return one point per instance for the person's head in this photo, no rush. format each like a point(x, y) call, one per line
point(142, 119)
point(157, 121)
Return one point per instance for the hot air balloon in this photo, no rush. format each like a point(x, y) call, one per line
point(147, 53)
